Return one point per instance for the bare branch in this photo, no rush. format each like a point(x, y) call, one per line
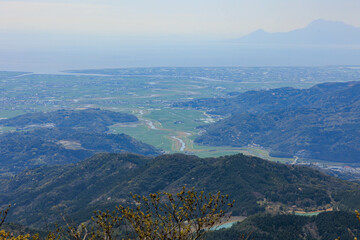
point(3, 215)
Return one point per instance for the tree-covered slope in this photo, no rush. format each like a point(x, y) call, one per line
point(322, 122)
point(93, 119)
point(309, 133)
point(327, 225)
point(105, 180)
point(318, 96)
point(63, 137)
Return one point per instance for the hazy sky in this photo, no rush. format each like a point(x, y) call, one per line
point(52, 35)
point(214, 18)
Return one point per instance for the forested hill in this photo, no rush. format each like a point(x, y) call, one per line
point(107, 179)
point(322, 122)
point(319, 96)
point(325, 226)
point(92, 119)
point(64, 137)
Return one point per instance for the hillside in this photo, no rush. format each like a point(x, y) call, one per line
point(324, 95)
point(322, 122)
point(92, 119)
point(107, 179)
point(328, 225)
point(64, 137)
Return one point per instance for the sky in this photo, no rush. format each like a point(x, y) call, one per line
point(53, 35)
point(186, 18)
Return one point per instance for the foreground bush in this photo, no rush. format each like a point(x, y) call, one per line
point(184, 215)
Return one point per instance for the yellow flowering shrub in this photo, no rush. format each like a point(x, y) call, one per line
point(184, 215)
point(8, 236)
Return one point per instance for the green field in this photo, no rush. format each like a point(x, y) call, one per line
point(7, 129)
point(10, 113)
point(182, 124)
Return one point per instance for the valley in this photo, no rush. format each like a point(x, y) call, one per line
point(82, 140)
point(179, 120)
point(150, 95)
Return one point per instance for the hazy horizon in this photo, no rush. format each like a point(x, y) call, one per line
point(199, 55)
point(219, 19)
point(49, 36)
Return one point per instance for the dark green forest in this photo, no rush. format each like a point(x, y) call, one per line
point(328, 225)
point(321, 122)
point(73, 136)
point(106, 180)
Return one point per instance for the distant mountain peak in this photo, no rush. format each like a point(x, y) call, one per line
point(330, 25)
point(258, 33)
point(260, 30)
point(322, 21)
point(318, 32)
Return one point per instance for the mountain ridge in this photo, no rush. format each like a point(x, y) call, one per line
point(318, 32)
point(106, 180)
point(321, 122)
point(62, 137)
